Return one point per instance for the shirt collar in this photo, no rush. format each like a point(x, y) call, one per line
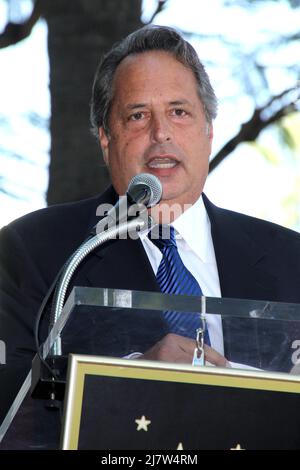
point(194, 231)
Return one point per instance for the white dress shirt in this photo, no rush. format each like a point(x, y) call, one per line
point(195, 247)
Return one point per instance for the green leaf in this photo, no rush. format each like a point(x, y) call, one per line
point(267, 152)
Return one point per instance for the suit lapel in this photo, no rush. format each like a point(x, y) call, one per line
point(121, 264)
point(244, 267)
point(245, 272)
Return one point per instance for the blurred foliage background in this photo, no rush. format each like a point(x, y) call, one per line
point(49, 53)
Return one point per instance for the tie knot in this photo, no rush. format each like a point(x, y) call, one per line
point(163, 236)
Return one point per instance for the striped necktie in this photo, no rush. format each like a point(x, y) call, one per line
point(174, 278)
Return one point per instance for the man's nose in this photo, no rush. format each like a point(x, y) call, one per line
point(160, 129)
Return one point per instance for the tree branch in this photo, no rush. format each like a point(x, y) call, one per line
point(160, 6)
point(16, 32)
point(250, 130)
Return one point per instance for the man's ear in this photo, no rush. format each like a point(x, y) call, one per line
point(104, 143)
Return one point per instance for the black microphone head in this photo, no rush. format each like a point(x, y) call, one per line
point(148, 185)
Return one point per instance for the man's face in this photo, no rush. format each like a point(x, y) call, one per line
point(157, 125)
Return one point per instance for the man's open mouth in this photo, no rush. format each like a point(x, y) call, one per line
point(162, 163)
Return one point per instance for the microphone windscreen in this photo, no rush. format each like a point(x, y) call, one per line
point(150, 182)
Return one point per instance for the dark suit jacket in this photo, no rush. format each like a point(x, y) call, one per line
point(255, 259)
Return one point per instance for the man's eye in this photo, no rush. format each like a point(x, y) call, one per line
point(179, 112)
point(136, 116)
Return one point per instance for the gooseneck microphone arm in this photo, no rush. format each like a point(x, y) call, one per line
point(80, 254)
point(144, 189)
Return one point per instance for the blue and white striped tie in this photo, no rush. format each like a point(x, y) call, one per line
point(174, 278)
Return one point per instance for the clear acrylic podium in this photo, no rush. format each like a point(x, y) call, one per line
point(113, 327)
point(117, 323)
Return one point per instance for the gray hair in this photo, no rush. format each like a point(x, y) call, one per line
point(148, 38)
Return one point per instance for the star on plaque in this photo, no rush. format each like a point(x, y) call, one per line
point(142, 423)
point(238, 447)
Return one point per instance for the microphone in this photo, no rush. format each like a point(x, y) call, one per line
point(144, 190)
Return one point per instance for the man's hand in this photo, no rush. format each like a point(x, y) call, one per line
point(175, 348)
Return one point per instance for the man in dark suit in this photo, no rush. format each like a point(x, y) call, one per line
point(152, 109)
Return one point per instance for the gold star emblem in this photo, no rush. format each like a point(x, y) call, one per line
point(238, 447)
point(142, 423)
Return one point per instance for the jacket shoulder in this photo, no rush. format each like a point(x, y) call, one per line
point(74, 217)
point(52, 232)
point(258, 229)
